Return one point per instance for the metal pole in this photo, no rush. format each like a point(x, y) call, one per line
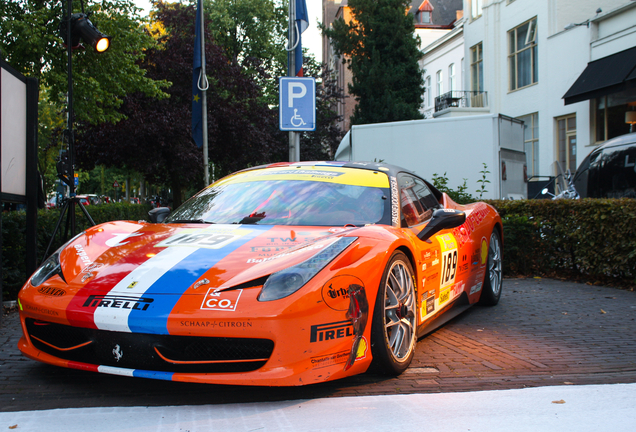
point(70, 115)
point(294, 137)
point(204, 106)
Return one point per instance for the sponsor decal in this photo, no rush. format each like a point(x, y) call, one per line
point(476, 288)
point(474, 257)
point(432, 276)
point(395, 202)
point(484, 250)
point(118, 302)
point(476, 216)
point(118, 353)
point(444, 296)
point(40, 310)
point(285, 254)
point(81, 253)
point(457, 289)
point(330, 331)
point(91, 267)
point(299, 172)
point(430, 305)
point(120, 239)
point(51, 291)
point(449, 259)
point(202, 282)
point(221, 300)
point(335, 293)
point(363, 347)
point(203, 238)
point(215, 324)
point(480, 275)
point(329, 359)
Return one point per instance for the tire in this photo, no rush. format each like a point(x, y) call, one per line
point(394, 328)
point(493, 279)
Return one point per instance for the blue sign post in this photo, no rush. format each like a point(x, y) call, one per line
point(297, 104)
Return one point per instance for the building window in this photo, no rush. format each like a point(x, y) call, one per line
point(475, 8)
point(440, 83)
point(566, 143)
point(522, 55)
point(429, 90)
point(531, 141)
point(477, 68)
point(425, 17)
point(609, 114)
point(451, 78)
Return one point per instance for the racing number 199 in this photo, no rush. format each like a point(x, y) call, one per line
point(449, 266)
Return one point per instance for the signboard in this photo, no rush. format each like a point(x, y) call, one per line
point(115, 184)
point(297, 103)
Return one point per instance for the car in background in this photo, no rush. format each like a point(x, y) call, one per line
point(279, 275)
point(609, 171)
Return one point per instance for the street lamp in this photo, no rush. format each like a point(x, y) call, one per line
point(73, 28)
point(82, 28)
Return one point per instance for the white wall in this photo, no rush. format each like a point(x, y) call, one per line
point(562, 56)
point(439, 55)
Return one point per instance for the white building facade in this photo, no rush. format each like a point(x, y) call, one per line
point(527, 54)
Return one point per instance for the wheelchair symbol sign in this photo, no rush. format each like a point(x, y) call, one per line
point(297, 103)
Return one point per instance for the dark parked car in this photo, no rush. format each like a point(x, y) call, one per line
point(609, 171)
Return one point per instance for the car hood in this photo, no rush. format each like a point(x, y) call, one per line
point(128, 257)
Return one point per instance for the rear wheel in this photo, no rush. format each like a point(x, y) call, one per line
point(394, 318)
point(494, 277)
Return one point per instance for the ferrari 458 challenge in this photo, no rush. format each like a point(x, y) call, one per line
point(286, 274)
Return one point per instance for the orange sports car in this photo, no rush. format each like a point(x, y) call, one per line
point(286, 274)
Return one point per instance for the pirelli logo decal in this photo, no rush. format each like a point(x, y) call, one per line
point(118, 302)
point(331, 331)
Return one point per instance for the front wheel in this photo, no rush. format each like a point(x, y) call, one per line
point(493, 279)
point(394, 325)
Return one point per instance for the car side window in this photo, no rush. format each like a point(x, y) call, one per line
point(416, 200)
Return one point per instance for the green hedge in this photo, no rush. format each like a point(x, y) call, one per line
point(14, 236)
point(588, 239)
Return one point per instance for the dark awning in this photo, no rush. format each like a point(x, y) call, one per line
point(604, 76)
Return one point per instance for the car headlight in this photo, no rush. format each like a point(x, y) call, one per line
point(49, 268)
point(288, 281)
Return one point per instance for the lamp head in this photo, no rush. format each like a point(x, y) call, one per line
point(83, 29)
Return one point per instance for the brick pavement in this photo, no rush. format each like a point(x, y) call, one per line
point(543, 332)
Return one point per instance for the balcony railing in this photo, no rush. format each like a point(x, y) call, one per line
point(464, 99)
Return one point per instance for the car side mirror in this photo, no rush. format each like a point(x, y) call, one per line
point(159, 214)
point(442, 219)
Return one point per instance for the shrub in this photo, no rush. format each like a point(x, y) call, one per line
point(590, 239)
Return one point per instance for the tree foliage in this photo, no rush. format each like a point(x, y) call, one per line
point(155, 139)
point(31, 43)
point(380, 49)
point(253, 33)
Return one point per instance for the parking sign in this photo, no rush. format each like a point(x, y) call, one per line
point(297, 103)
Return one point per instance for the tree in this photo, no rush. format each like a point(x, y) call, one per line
point(379, 47)
point(30, 41)
point(254, 34)
point(322, 143)
point(155, 138)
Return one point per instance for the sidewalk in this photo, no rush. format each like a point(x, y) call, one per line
point(560, 408)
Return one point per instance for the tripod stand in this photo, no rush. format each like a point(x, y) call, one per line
point(65, 166)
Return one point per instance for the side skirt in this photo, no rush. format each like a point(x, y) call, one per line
point(445, 315)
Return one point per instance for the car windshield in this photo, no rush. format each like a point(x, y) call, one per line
point(267, 201)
